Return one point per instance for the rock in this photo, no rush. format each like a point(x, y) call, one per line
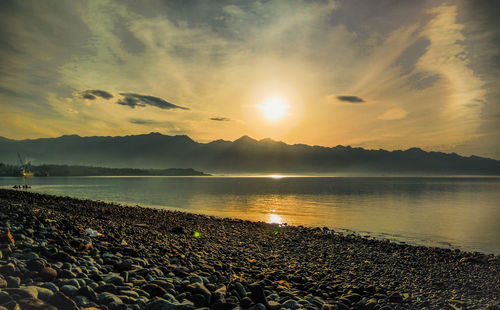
point(198, 300)
point(6, 237)
point(106, 298)
point(13, 281)
point(181, 272)
point(259, 306)
point(125, 265)
point(66, 274)
point(130, 293)
point(154, 290)
point(44, 293)
point(47, 273)
point(353, 298)
point(291, 304)
point(110, 288)
point(62, 301)
point(51, 286)
point(64, 257)
point(246, 302)
point(240, 289)
point(69, 290)
point(177, 230)
point(7, 270)
point(258, 295)
point(117, 306)
point(24, 291)
point(35, 264)
point(198, 288)
point(396, 298)
point(161, 304)
point(273, 305)
point(30, 303)
point(88, 292)
point(116, 280)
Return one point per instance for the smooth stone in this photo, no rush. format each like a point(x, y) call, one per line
point(161, 304)
point(51, 286)
point(240, 289)
point(107, 298)
point(44, 293)
point(198, 288)
point(396, 297)
point(258, 295)
point(88, 292)
point(69, 290)
point(35, 264)
point(72, 282)
point(13, 281)
point(7, 270)
point(30, 303)
point(130, 293)
point(62, 301)
point(66, 274)
point(81, 301)
point(154, 290)
point(116, 280)
point(111, 288)
point(24, 291)
point(117, 306)
point(291, 304)
point(48, 273)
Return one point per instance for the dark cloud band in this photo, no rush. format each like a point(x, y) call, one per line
point(220, 119)
point(352, 99)
point(137, 100)
point(141, 121)
point(91, 94)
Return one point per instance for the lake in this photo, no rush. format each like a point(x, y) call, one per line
point(451, 212)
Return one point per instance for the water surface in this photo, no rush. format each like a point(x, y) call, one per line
point(449, 212)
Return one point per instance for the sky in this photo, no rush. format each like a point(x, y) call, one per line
point(375, 74)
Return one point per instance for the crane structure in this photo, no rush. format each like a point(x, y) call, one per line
point(24, 167)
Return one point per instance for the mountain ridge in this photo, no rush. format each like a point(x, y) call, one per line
point(243, 155)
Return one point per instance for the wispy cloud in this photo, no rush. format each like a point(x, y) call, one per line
point(137, 100)
point(220, 119)
point(351, 99)
point(91, 94)
point(140, 121)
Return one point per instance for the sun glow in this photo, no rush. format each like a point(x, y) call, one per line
point(274, 108)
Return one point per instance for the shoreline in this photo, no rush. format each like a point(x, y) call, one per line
point(221, 263)
point(395, 237)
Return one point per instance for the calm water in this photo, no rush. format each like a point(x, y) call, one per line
point(448, 212)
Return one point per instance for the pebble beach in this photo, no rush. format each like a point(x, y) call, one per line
point(65, 253)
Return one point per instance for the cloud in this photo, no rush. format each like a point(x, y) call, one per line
point(220, 119)
point(91, 94)
point(136, 100)
point(393, 114)
point(141, 121)
point(351, 99)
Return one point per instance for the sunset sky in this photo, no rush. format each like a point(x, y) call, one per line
point(375, 74)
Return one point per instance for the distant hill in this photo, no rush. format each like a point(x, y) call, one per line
point(72, 170)
point(244, 155)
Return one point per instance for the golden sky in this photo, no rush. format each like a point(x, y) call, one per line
point(375, 74)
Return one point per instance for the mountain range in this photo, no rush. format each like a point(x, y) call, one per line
point(244, 155)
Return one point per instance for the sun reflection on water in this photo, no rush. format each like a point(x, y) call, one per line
point(274, 219)
point(276, 176)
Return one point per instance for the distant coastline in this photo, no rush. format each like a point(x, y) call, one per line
point(77, 170)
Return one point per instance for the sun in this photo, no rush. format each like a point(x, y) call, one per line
point(274, 108)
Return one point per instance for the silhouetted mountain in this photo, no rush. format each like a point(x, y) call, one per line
point(244, 155)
